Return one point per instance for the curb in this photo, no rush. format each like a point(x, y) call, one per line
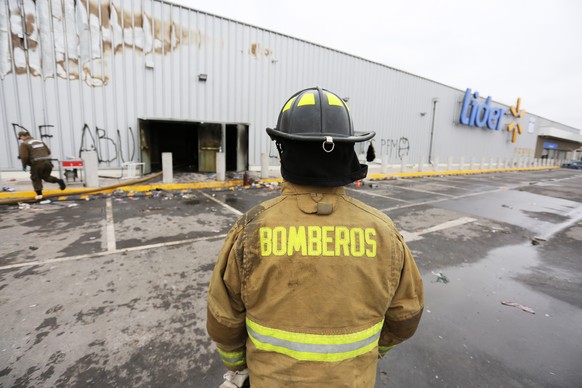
point(131, 189)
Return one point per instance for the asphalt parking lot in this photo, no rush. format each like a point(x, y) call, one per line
point(111, 291)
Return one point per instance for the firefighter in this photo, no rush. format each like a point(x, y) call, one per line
point(36, 154)
point(313, 286)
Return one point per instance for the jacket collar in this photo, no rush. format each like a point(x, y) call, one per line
point(289, 188)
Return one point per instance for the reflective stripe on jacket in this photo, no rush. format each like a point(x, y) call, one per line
point(310, 288)
point(314, 347)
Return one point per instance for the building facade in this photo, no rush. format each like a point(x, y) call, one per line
point(132, 79)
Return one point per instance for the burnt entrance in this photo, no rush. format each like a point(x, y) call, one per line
point(193, 145)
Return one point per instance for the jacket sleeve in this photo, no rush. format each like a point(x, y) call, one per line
point(24, 154)
point(403, 315)
point(226, 312)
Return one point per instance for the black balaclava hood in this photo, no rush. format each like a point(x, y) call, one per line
point(306, 163)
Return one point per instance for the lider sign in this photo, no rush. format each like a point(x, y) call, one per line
point(475, 114)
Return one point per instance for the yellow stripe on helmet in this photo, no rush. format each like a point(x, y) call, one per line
point(288, 104)
point(333, 100)
point(307, 99)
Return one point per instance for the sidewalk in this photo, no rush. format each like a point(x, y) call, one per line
point(17, 186)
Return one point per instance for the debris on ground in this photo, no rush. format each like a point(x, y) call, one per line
point(507, 206)
point(519, 306)
point(537, 240)
point(8, 189)
point(440, 277)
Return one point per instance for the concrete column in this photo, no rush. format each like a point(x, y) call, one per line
point(91, 168)
point(220, 167)
point(264, 165)
point(167, 168)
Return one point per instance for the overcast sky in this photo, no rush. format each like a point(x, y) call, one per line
point(503, 48)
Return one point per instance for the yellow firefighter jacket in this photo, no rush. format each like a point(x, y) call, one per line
point(310, 288)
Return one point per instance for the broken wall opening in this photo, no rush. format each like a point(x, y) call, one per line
point(193, 145)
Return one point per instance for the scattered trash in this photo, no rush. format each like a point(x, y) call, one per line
point(537, 240)
point(507, 206)
point(23, 206)
point(9, 189)
point(46, 201)
point(72, 205)
point(440, 277)
point(519, 306)
point(32, 248)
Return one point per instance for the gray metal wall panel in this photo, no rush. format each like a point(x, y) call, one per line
point(85, 77)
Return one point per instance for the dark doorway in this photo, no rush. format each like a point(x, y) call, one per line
point(193, 145)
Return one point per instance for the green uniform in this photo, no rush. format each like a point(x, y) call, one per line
point(310, 288)
point(36, 154)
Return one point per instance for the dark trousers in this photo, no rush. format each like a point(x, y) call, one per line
point(41, 171)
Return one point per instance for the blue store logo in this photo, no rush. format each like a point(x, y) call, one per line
point(476, 114)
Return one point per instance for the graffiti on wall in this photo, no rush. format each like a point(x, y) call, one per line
point(108, 149)
point(395, 148)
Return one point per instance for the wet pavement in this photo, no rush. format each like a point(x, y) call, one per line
point(111, 290)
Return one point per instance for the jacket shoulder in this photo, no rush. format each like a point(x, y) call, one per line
point(256, 211)
point(380, 216)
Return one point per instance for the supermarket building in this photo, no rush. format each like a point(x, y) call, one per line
point(131, 80)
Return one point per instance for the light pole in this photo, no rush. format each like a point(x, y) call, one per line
point(434, 108)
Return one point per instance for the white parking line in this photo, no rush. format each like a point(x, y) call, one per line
point(451, 186)
point(235, 211)
point(109, 226)
point(372, 194)
point(424, 191)
point(107, 253)
point(412, 236)
point(446, 199)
